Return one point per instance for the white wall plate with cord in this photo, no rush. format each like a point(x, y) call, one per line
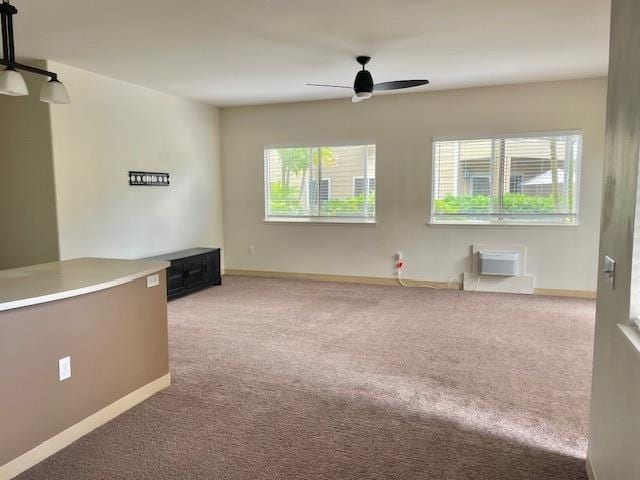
point(399, 265)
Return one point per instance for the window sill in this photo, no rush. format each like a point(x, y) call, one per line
point(321, 221)
point(632, 334)
point(568, 226)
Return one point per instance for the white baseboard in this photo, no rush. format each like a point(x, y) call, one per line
point(322, 277)
point(80, 429)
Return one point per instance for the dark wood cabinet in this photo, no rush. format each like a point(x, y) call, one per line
point(191, 270)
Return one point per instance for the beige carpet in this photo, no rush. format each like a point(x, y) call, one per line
point(288, 379)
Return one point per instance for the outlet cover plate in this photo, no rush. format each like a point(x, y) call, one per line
point(153, 280)
point(64, 368)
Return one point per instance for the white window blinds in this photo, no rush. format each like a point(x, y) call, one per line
point(521, 180)
point(320, 182)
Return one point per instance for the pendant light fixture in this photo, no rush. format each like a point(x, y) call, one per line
point(11, 80)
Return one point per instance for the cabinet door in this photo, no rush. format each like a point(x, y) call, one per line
point(176, 277)
point(196, 271)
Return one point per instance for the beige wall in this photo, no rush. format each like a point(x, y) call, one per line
point(402, 126)
point(614, 441)
point(28, 232)
point(113, 352)
point(112, 127)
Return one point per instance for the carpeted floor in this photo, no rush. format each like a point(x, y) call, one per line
point(290, 379)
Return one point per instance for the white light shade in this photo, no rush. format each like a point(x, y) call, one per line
point(54, 92)
point(12, 83)
point(359, 96)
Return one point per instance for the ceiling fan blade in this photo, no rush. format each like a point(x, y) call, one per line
point(323, 85)
point(398, 84)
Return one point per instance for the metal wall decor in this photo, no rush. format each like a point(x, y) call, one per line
point(150, 179)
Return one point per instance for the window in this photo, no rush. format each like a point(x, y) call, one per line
point(325, 189)
point(480, 186)
point(515, 183)
point(358, 185)
point(292, 176)
point(528, 179)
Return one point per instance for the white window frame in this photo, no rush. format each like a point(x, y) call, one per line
point(504, 222)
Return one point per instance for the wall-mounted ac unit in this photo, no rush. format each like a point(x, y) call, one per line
point(498, 263)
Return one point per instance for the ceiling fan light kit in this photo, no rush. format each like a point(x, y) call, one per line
point(11, 81)
point(360, 96)
point(363, 86)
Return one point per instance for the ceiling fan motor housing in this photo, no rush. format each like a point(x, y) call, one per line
point(363, 82)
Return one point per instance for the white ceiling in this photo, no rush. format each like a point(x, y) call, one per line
point(239, 52)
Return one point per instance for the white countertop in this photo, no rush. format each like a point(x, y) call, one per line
point(22, 287)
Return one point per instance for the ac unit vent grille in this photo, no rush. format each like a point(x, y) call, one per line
point(498, 263)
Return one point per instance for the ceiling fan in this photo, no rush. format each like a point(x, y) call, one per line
point(363, 86)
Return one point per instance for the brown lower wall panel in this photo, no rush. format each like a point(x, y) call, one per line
point(117, 341)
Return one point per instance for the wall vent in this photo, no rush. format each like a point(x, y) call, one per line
point(498, 263)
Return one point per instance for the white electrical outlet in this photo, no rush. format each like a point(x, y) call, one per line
point(64, 368)
point(252, 250)
point(153, 280)
point(399, 262)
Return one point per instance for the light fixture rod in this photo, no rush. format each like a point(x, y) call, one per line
point(11, 80)
point(7, 12)
point(5, 36)
point(10, 38)
point(29, 68)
